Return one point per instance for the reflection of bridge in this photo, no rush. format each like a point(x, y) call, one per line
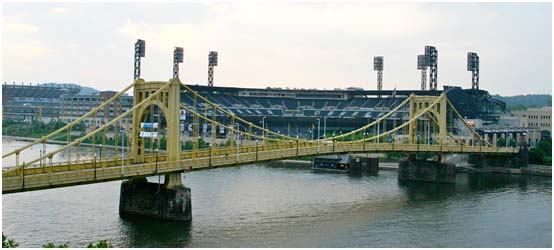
point(431, 127)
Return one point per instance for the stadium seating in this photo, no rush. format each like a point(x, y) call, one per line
point(360, 108)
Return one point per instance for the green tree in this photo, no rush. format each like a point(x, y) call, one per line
point(100, 244)
point(501, 142)
point(79, 126)
point(8, 243)
point(513, 142)
point(536, 155)
point(542, 154)
point(188, 145)
point(546, 146)
point(518, 107)
point(547, 160)
point(223, 144)
point(163, 143)
point(52, 245)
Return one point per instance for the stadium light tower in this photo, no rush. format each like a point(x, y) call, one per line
point(378, 66)
point(431, 59)
point(177, 58)
point(212, 61)
point(139, 52)
point(422, 65)
point(473, 66)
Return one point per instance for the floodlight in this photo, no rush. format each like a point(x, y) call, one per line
point(140, 47)
point(421, 64)
point(212, 58)
point(178, 55)
point(472, 61)
point(378, 63)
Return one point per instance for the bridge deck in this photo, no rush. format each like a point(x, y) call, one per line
point(88, 171)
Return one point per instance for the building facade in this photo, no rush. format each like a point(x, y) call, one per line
point(34, 102)
point(537, 118)
point(75, 106)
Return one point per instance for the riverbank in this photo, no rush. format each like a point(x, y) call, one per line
point(56, 142)
point(31, 139)
point(538, 170)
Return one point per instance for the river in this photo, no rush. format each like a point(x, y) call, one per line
point(260, 206)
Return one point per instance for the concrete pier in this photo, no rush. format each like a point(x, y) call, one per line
point(429, 171)
point(168, 201)
point(519, 160)
point(364, 165)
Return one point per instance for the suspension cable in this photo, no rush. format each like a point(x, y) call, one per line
point(374, 122)
point(405, 124)
point(233, 115)
point(465, 124)
point(103, 127)
point(91, 112)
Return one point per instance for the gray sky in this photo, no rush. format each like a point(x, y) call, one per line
point(310, 45)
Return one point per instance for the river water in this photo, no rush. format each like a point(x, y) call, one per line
point(260, 206)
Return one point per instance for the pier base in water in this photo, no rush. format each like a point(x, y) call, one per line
point(429, 171)
point(168, 201)
point(516, 160)
point(364, 166)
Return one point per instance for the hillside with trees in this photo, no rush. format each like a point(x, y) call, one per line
point(520, 102)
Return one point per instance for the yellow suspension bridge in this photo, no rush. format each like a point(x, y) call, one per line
point(163, 100)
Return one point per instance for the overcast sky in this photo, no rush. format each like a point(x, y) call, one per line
point(309, 45)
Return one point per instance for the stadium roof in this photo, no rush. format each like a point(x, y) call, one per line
point(38, 91)
point(204, 88)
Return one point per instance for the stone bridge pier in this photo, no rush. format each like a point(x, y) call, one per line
point(429, 171)
point(168, 201)
point(517, 160)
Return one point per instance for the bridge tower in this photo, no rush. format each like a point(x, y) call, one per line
point(168, 102)
point(413, 169)
point(138, 196)
point(419, 104)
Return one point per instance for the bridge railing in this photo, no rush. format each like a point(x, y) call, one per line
point(112, 170)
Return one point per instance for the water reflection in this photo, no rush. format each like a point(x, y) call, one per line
point(149, 232)
point(424, 191)
point(492, 181)
point(469, 184)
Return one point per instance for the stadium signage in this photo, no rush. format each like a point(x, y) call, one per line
point(146, 134)
point(183, 114)
point(148, 125)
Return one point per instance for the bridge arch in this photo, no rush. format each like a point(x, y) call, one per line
point(420, 103)
point(167, 102)
point(143, 113)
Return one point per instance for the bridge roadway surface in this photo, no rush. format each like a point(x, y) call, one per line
point(38, 177)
